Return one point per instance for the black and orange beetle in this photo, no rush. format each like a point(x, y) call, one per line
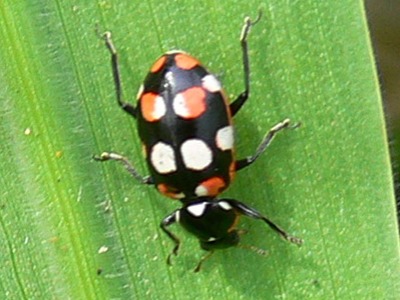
point(186, 129)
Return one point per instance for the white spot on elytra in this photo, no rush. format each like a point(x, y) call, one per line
point(196, 154)
point(169, 83)
point(201, 191)
point(162, 158)
point(224, 205)
point(197, 210)
point(179, 195)
point(211, 84)
point(159, 108)
point(224, 138)
point(211, 239)
point(179, 105)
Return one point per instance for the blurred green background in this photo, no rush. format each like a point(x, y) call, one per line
point(69, 228)
point(384, 23)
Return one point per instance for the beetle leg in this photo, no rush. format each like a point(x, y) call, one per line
point(241, 99)
point(252, 213)
point(129, 108)
point(243, 163)
point(114, 156)
point(167, 221)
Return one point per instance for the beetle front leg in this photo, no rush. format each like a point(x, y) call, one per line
point(167, 221)
point(252, 213)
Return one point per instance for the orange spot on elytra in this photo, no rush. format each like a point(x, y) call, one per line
point(214, 186)
point(169, 191)
point(158, 64)
point(151, 107)
point(191, 103)
point(185, 61)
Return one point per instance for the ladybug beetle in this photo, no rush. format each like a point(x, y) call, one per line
point(185, 126)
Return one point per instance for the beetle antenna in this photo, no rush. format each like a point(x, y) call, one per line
point(204, 258)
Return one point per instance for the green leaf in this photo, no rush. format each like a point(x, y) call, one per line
point(71, 228)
